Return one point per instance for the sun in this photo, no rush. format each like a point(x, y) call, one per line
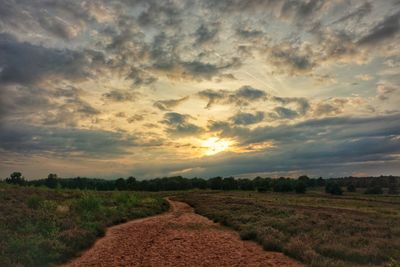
point(214, 145)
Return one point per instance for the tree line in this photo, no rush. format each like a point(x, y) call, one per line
point(369, 185)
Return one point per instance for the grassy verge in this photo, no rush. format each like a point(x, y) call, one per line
point(316, 229)
point(42, 227)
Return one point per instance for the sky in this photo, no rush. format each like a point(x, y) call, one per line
point(201, 88)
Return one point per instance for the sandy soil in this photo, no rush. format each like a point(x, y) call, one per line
point(177, 238)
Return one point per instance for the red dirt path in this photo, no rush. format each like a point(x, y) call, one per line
point(177, 238)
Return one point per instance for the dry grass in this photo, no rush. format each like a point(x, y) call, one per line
point(42, 227)
point(316, 229)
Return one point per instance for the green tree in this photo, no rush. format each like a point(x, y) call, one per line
point(393, 186)
point(351, 188)
point(333, 188)
point(51, 180)
point(374, 189)
point(300, 187)
point(120, 184)
point(16, 178)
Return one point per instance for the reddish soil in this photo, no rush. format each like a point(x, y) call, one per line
point(177, 238)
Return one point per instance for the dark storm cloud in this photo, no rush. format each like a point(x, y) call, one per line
point(30, 139)
point(385, 29)
point(120, 96)
point(241, 97)
point(178, 125)
point(338, 128)
point(167, 105)
point(26, 63)
point(243, 118)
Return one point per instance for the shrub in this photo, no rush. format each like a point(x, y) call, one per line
point(351, 188)
point(88, 203)
point(374, 190)
point(333, 188)
point(282, 185)
point(34, 202)
point(300, 187)
point(248, 234)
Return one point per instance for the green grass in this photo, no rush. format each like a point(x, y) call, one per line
point(43, 227)
point(315, 228)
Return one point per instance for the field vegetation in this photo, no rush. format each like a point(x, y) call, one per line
point(43, 227)
point(316, 228)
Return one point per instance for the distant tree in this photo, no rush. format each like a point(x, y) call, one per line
point(393, 186)
point(282, 185)
point(198, 183)
point(51, 180)
point(320, 181)
point(351, 188)
point(131, 183)
point(300, 187)
point(229, 183)
point(120, 184)
point(262, 184)
point(15, 178)
point(245, 184)
point(333, 188)
point(215, 183)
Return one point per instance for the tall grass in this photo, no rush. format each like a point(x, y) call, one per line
point(315, 229)
point(42, 227)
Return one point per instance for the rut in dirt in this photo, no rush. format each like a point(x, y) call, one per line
point(177, 238)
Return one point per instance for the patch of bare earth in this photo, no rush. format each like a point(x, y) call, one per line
point(177, 238)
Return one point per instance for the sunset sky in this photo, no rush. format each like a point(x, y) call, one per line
point(199, 88)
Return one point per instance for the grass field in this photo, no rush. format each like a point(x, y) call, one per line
point(315, 228)
point(42, 227)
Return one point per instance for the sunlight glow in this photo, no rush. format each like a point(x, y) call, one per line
point(214, 145)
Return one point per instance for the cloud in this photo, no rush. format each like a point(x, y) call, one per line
point(26, 63)
point(364, 77)
point(58, 26)
point(178, 125)
point(320, 147)
point(283, 113)
point(205, 33)
point(385, 90)
point(167, 105)
point(243, 118)
point(357, 14)
point(31, 139)
point(302, 103)
point(385, 29)
point(120, 96)
point(240, 97)
point(134, 118)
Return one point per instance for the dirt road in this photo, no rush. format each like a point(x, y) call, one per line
point(177, 238)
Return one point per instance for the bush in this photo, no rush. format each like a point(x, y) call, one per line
point(34, 202)
point(351, 188)
point(300, 187)
point(333, 188)
point(374, 190)
point(282, 185)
